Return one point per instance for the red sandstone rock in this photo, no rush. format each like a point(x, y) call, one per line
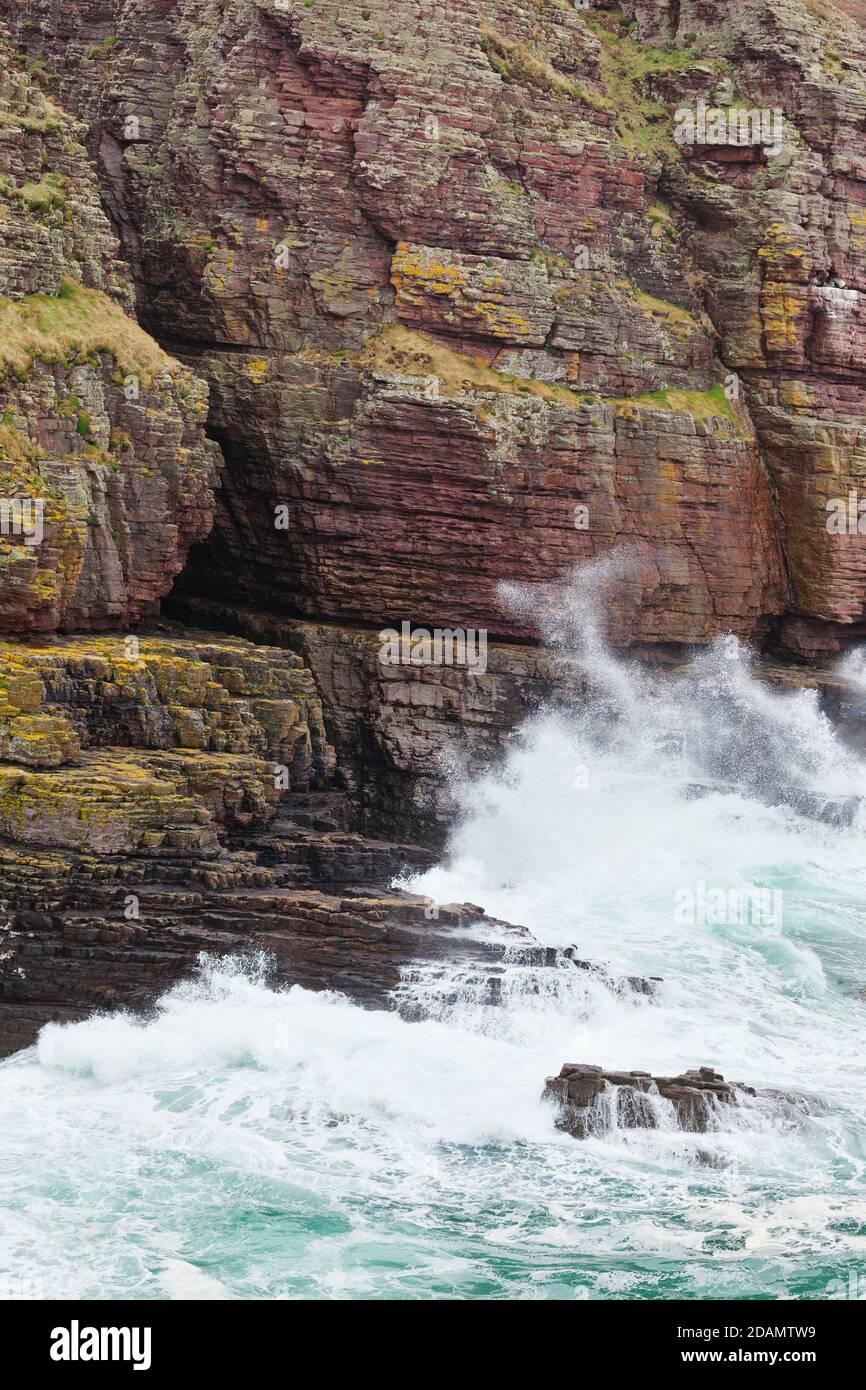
point(102, 435)
point(591, 1101)
point(332, 172)
point(449, 282)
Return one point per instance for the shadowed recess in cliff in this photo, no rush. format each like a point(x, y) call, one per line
point(375, 213)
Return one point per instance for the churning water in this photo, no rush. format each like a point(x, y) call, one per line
point(246, 1142)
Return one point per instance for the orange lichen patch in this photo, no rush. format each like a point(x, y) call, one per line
point(113, 804)
point(473, 293)
point(782, 246)
point(170, 767)
point(781, 313)
point(423, 268)
point(572, 367)
point(796, 394)
point(257, 369)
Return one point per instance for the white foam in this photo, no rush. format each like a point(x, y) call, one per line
point(247, 1141)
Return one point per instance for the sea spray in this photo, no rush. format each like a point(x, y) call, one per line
point(275, 1143)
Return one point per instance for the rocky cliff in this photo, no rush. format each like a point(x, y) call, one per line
point(105, 469)
point(449, 262)
point(352, 313)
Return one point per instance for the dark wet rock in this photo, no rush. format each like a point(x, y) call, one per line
point(186, 800)
point(69, 950)
point(839, 810)
point(833, 810)
point(636, 984)
point(557, 389)
point(315, 898)
point(590, 1100)
point(530, 973)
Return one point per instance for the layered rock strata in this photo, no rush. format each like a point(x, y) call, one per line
point(404, 734)
point(106, 475)
point(178, 798)
point(470, 308)
point(466, 311)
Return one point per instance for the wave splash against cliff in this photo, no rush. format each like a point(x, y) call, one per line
point(697, 826)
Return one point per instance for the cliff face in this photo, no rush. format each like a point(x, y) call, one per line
point(448, 302)
point(342, 218)
point(105, 469)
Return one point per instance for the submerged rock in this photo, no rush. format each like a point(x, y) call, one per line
point(839, 810)
point(593, 1101)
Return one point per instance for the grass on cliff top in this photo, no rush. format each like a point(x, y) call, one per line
point(678, 321)
point(840, 40)
point(673, 317)
point(404, 352)
point(642, 123)
point(627, 67)
point(701, 405)
point(33, 125)
point(78, 322)
point(516, 61)
point(407, 353)
point(15, 448)
point(42, 197)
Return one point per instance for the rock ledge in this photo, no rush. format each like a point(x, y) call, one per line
point(593, 1101)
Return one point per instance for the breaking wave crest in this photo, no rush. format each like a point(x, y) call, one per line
point(247, 1141)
